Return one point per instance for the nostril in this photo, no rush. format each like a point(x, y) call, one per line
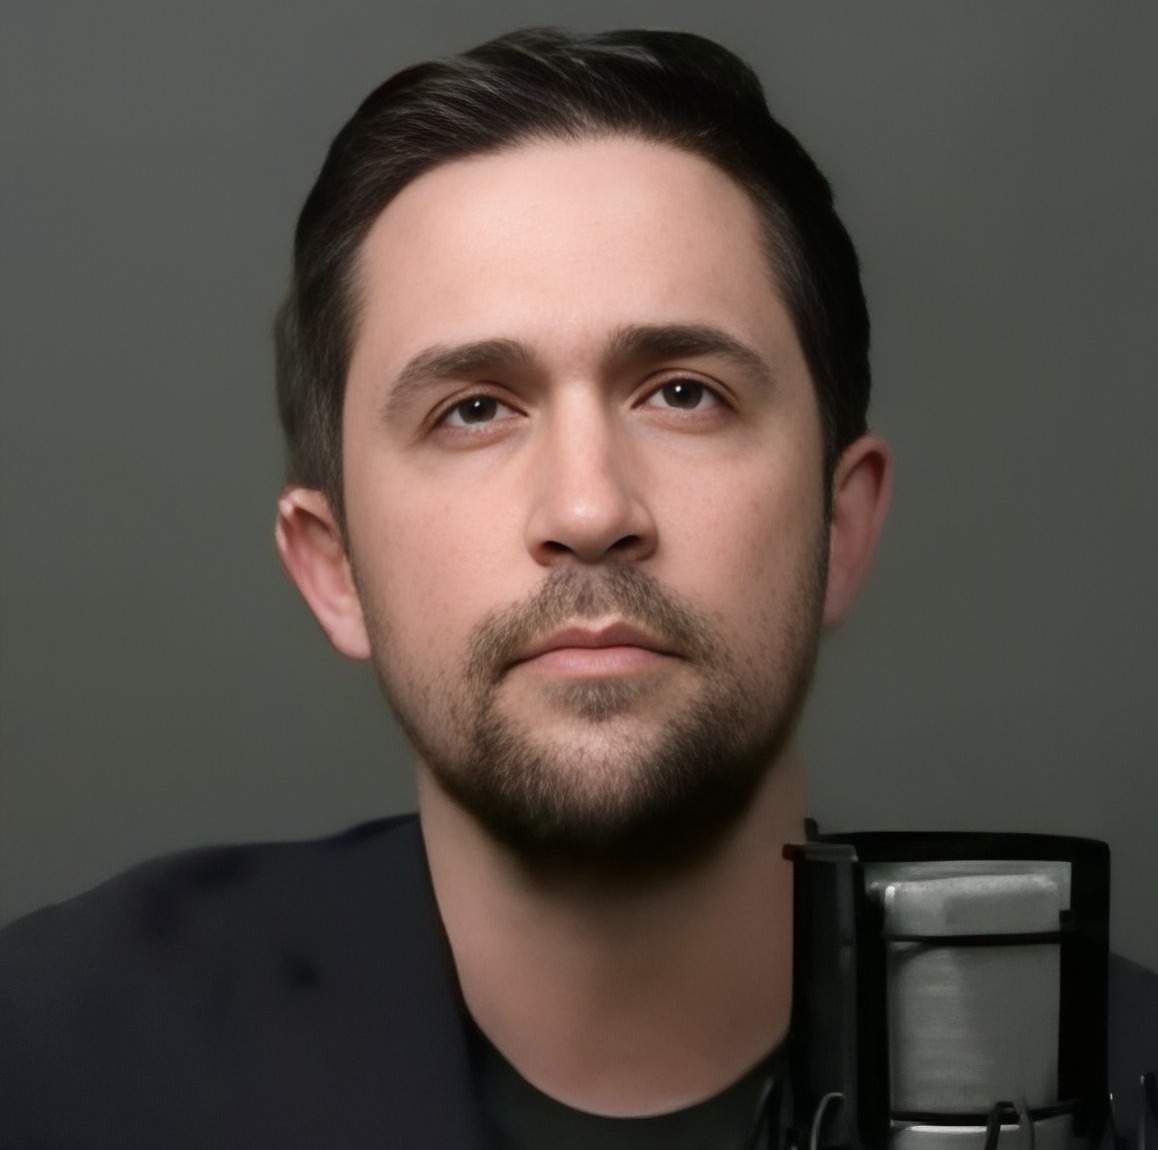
point(622, 548)
point(627, 543)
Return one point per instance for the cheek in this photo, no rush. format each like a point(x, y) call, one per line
point(427, 561)
point(751, 546)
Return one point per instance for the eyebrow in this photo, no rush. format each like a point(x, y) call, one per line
point(682, 340)
point(453, 361)
point(441, 362)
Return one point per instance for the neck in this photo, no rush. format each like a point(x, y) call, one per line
point(625, 999)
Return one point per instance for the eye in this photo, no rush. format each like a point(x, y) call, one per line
point(683, 395)
point(475, 410)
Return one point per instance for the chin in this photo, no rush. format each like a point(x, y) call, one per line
point(609, 797)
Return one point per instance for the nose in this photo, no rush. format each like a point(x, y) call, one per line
point(587, 506)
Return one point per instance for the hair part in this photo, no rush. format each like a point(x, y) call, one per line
point(673, 88)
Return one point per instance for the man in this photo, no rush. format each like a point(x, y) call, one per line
point(574, 376)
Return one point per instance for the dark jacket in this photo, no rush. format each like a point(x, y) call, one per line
point(277, 996)
point(274, 996)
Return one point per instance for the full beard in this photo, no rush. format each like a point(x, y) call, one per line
point(618, 800)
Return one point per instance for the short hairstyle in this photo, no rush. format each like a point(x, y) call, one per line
point(674, 88)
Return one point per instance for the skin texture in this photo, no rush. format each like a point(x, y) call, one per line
point(573, 361)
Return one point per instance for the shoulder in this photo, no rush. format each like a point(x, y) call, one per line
point(1133, 1033)
point(268, 964)
point(164, 912)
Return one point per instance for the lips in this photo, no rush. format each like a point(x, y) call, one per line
point(615, 636)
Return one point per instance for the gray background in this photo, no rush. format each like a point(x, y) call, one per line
point(163, 687)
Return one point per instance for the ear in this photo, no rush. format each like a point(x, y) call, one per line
point(313, 555)
point(861, 489)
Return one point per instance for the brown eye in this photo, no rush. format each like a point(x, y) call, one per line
point(476, 410)
point(683, 395)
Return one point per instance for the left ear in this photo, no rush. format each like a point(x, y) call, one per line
point(861, 488)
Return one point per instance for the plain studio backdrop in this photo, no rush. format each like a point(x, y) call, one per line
point(164, 687)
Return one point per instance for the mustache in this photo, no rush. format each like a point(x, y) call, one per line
point(570, 593)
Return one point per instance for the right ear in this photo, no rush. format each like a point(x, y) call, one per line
point(313, 554)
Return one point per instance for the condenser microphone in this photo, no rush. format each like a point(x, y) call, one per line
point(950, 993)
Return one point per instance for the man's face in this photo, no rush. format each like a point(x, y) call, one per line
point(584, 490)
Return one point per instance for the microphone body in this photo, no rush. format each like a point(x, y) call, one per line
point(950, 993)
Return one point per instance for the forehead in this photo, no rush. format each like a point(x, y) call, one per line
point(556, 244)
